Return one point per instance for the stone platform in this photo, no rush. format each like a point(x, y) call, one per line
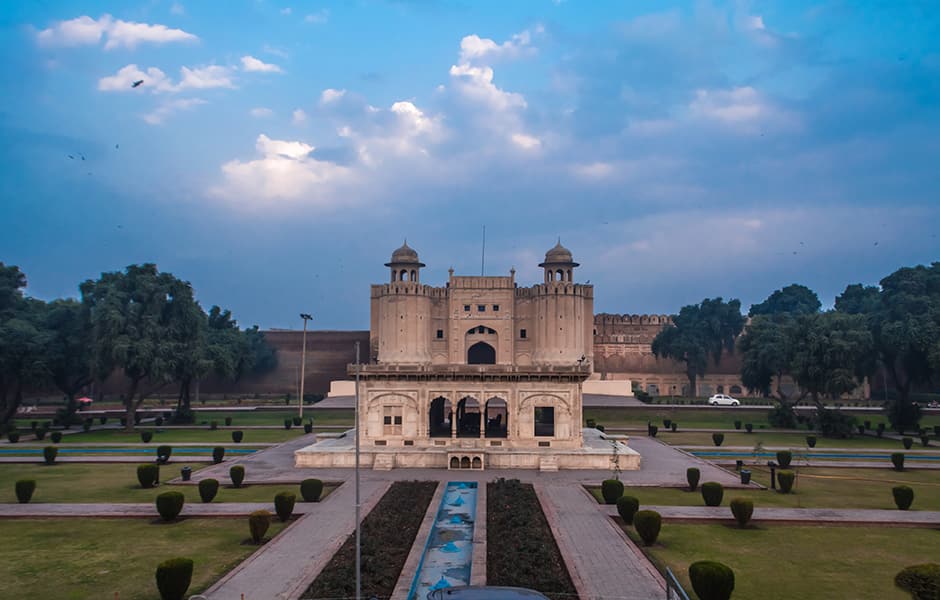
point(597, 452)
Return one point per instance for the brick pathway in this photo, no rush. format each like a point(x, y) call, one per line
point(603, 563)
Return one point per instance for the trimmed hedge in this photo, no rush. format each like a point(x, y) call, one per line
point(228, 421)
point(647, 524)
point(922, 582)
point(56, 437)
point(811, 441)
point(218, 453)
point(146, 436)
point(238, 436)
point(208, 488)
point(296, 421)
point(24, 490)
point(288, 423)
point(749, 427)
point(903, 496)
point(310, 490)
point(742, 509)
point(284, 505)
point(237, 475)
point(173, 578)
point(784, 458)
point(786, 479)
point(908, 442)
point(49, 454)
point(897, 459)
point(693, 475)
point(712, 493)
point(170, 504)
point(718, 438)
point(148, 475)
point(308, 427)
point(163, 453)
point(611, 489)
point(627, 506)
point(14, 437)
point(711, 580)
point(213, 425)
point(258, 523)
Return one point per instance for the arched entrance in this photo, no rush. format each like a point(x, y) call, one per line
point(468, 417)
point(481, 353)
point(497, 418)
point(440, 415)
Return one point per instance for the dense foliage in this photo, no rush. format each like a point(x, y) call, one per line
point(208, 488)
point(284, 505)
point(742, 509)
point(258, 523)
point(922, 582)
point(711, 580)
point(692, 475)
point(173, 578)
point(903, 496)
point(712, 493)
point(647, 524)
point(310, 490)
point(611, 489)
point(170, 504)
point(627, 506)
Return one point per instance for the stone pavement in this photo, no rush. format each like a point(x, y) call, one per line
point(814, 516)
point(284, 567)
point(590, 543)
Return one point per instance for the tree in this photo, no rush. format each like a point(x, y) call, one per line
point(143, 324)
point(69, 353)
point(698, 332)
point(859, 300)
point(22, 337)
point(832, 353)
point(795, 299)
point(766, 354)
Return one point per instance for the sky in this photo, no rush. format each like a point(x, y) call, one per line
point(277, 152)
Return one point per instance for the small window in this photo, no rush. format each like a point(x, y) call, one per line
point(496, 308)
point(481, 308)
point(397, 419)
point(409, 442)
point(466, 307)
point(440, 334)
point(522, 333)
point(391, 419)
point(388, 420)
point(544, 421)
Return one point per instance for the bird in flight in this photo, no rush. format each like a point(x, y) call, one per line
point(137, 83)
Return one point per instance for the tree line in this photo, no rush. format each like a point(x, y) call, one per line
point(893, 327)
point(140, 322)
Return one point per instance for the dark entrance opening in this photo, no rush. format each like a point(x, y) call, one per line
point(439, 417)
point(468, 417)
point(545, 421)
point(496, 418)
point(481, 353)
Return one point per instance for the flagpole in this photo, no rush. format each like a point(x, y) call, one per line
point(358, 528)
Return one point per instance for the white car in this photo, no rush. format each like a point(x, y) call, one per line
point(723, 400)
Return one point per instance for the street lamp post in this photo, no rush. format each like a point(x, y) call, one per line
point(303, 362)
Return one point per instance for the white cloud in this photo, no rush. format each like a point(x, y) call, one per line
point(526, 142)
point(318, 17)
point(85, 31)
point(476, 84)
point(252, 64)
point(299, 117)
point(740, 104)
point(474, 48)
point(177, 9)
point(261, 112)
point(330, 95)
point(756, 22)
point(197, 78)
point(170, 108)
point(594, 170)
point(285, 171)
point(274, 50)
point(286, 10)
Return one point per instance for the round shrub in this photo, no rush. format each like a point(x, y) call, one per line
point(651, 430)
point(24, 490)
point(258, 523)
point(148, 475)
point(627, 507)
point(296, 421)
point(288, 423)
point(674, 427)
point(310, 490)
point(737, 424)
point(308, 427)
point(284, 505)
point(174, 577)
point(786, 479)
point(163, 453)
point(213, 425)
point(40, 434)
point(749, 427)
point(647, 524)
point(903, 496)
point(228, 421)
point(611, 489)
point(711, 580)
point(718, 438)
point(208, 488)
point(693, 475)
point(146, 436)
point(103, 419)
point(784, 457)
point(170, 504)
point(237, 474)
point(897, 459)
point(925, 441)
point(712, 493)
point(56, 437)
point(811, 441)
point(14, 437)
point(922, 582)
point(218, 453)
point(908, 442)
point(742, 509)
point(667, 423)
point(49, 453)
point(238, 436)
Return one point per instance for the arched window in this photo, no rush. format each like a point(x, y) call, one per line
point(560, 275)
point(414, 275)
point(481, 353)
point(465, 462)
point(440, 416)
point(497, 418)
point(454, 463)
point(735, 389)
point(403, 276)
point(468, 417)
point(477, 463)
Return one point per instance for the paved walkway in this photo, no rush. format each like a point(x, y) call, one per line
point(590, 544)
point(284, 567)
point(807, 516)
point(79, 510)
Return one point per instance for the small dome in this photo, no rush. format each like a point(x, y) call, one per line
point(559, 255)
point(405, 255)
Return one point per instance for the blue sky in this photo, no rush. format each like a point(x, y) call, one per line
point(277, 152)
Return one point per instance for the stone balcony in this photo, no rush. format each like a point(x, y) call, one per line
point(460, 372)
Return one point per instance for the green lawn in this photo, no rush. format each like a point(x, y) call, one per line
point(169, 436)
point(715, 417)
point(93, 559)
point(815, 488)
point(326, 416)
point(787, 440)
point(196, 452)
point(73, 482)
point(785, 562)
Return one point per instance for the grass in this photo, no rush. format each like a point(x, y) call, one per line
point(786, 440)
point(74, 482)
point(170, 436)
point(89, 559)
point(325, 416)
point(815, 488)
point(784, 562)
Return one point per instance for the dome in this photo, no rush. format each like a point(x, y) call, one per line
point(406, 255)
point(559, 255)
